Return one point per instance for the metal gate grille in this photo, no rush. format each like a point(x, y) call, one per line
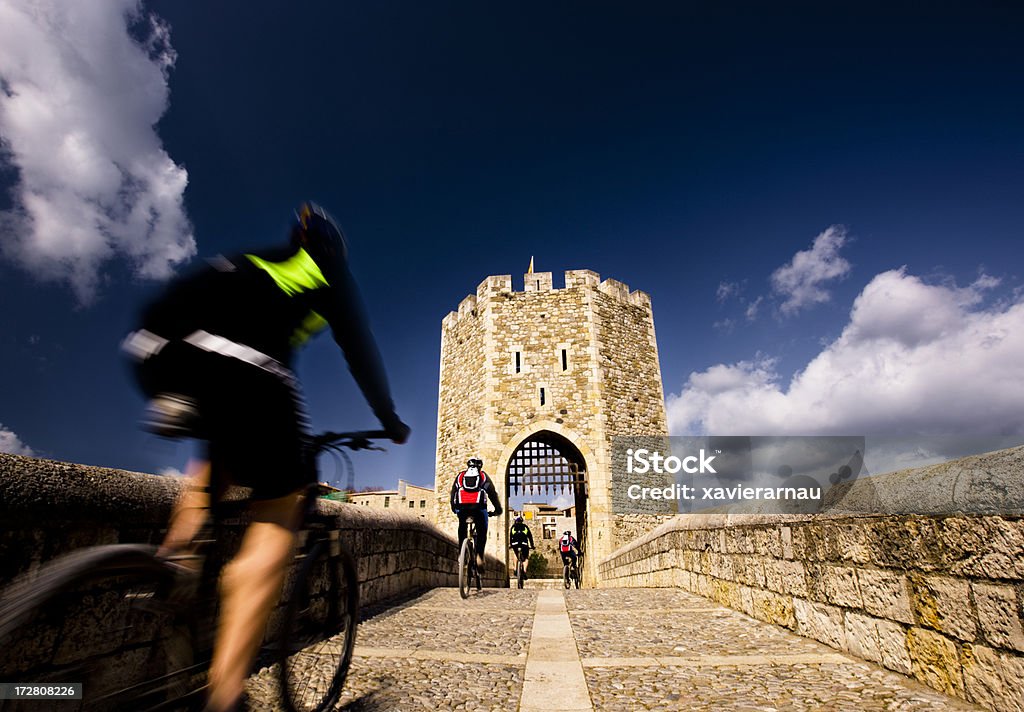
point(537, 467)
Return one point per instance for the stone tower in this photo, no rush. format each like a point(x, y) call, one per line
point(536, 383)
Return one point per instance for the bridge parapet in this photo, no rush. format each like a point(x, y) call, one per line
point(49, 508)
point(937, 596)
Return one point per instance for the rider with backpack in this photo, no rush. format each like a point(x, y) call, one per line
point(520, 539)
point(470, 491)
point(569, 548)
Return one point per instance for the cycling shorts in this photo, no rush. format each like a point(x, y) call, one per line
point(521, 549)
point(253, 419)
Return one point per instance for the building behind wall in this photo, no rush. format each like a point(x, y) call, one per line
point(408, 498)
point(560, 370)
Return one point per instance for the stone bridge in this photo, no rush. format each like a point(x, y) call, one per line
point(894, 611)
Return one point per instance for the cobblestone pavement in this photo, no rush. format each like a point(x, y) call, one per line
point(640, 649)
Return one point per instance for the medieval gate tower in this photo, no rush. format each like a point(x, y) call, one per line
point(536, 383)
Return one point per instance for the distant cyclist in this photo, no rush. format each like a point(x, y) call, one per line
point(520, 539)
point(214, 354)
point(470, 491)
point(569, 548)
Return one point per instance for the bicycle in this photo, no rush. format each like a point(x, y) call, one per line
point(571, 574)
point(148, 621)
point(469, 572)
point(521, 563)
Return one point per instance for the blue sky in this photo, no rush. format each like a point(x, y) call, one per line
point(823, 200)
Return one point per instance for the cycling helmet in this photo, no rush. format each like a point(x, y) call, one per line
point(475, 462)
point(317, 232)
point(568, 533)
point(519, 519)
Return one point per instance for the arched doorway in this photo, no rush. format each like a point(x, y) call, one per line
point(548, 464)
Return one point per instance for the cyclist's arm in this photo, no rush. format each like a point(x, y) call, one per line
point(529, 535)
point(492, 494)
point(351, 328)
point(452, 494)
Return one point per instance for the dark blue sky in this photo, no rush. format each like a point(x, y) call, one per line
point(673, 146)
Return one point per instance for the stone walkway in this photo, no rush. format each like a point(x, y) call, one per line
point(637, 649)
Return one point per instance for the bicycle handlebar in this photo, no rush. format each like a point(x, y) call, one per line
point(355, 440)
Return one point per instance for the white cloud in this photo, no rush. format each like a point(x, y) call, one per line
point(11, 443)
point(800, 282)
point(171, 472)
point(726, 290)
point(563, 500)
point(79, 100)
point(914, 357)
point(753, 308)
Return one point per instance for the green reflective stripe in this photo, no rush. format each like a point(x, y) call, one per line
point(296, 274)
point(309, 326)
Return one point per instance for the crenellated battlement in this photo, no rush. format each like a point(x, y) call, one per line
point(497, 285)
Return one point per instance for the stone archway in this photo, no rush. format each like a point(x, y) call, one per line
point(546, 462)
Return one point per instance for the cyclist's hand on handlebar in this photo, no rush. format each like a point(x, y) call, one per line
point(396, 429)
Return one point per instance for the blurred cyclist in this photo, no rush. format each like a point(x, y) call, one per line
point(214, 355)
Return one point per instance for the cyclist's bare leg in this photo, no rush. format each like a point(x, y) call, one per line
point(190, 511)
point(250, 586)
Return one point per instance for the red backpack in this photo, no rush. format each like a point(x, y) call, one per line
point(470, 492)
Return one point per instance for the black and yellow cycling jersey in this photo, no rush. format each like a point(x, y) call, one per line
point(261, 306)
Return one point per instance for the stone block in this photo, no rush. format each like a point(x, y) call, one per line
point(935, 661)
point(839, 586)
point(773, 608)
point(862, 636)
point(892, 645)
point(943, 604)
point(988, 547)
point(885, 594)
point(786, 541)
point(821, 622)
point(786, 577)
point(853, 543)
point(999, 616)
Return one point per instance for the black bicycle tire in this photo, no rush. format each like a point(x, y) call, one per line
point(565, 575)
point(343, 572)
point(521, 566)
point(576, 576)
point(466, 554)
point(28, 597)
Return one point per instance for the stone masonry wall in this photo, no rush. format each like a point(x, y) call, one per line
point(936, 597)
point(49, 508)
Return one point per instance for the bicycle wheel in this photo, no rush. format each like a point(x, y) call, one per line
point(565, 575)
point(467, 562)
point(520, 573)
point(103, 617)
point(576, 576)
point(319, 630)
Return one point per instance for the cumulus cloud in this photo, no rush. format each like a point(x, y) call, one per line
point(171, 472)
point(11, 443)
point(726, 290)
point(80, 95)
point(914, 357)
point(800, 282)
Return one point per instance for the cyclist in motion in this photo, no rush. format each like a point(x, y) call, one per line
point(214, 355)
point(470, 491)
